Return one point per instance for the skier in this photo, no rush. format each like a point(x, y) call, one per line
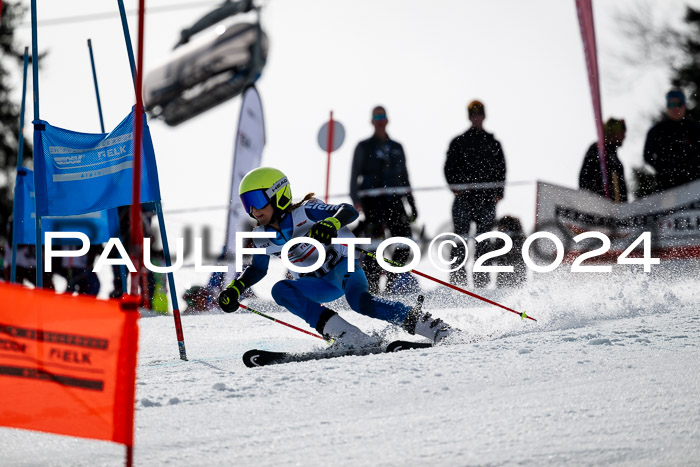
point(267, 197)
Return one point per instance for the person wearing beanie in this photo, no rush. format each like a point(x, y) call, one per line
point(590, 177)
point(672, 146)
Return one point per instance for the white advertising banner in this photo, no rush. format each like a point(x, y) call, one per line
point(672, 218)
point(250, 141)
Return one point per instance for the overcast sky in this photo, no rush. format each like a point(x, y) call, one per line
point(424, 61)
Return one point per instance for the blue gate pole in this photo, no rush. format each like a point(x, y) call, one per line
point(171, 282)
point(35, 76)
point(127, 39)
point(97, 89)
point(20, 157)
point(159, 208)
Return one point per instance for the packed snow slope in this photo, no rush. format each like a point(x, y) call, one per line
point(609, 374)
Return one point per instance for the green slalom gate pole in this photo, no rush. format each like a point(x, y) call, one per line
point(522, 315)
point(279, 321)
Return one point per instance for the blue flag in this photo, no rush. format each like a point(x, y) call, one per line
point(98, 226)
point(79, 173)
point(23, 225)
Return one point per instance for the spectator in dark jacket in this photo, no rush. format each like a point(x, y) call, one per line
point(476, 171)
point(590, 177)
point(378, 187)
point(673, 145)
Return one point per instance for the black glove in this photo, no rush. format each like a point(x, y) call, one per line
point(228, 298)
point(324, 230)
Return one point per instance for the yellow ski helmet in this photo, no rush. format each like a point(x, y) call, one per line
point(263, 186)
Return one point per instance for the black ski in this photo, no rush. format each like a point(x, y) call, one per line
point(255, 357)
point(398, 346)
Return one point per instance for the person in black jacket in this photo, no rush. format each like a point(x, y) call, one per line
point(590, 177)
point(379, 165)
point(475, 157)
point(673, 145)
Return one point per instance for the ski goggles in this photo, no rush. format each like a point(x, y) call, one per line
point(254, 199)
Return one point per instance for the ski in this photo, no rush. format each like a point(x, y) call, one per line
point(397, 346)
point(254, 358)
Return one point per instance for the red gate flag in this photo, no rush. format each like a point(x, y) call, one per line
point(67, 364)
point(584, 8)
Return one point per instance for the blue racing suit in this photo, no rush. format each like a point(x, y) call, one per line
point(303, 295)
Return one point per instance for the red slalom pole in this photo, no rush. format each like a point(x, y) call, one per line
point(522, 315)
point(136, 237)
point(471, 294)
point(278, 321)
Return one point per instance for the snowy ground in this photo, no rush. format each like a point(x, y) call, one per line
point(610, 374)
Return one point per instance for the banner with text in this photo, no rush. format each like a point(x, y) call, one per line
point(672, 217)
point(250, 141)
point(98, 226)
point(67, 364)
point(77, 173)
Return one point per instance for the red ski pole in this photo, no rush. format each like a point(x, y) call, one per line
point(279, 321)
point(522, 315)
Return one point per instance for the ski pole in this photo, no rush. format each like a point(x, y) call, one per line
point(522, 315)
point(279, 321)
